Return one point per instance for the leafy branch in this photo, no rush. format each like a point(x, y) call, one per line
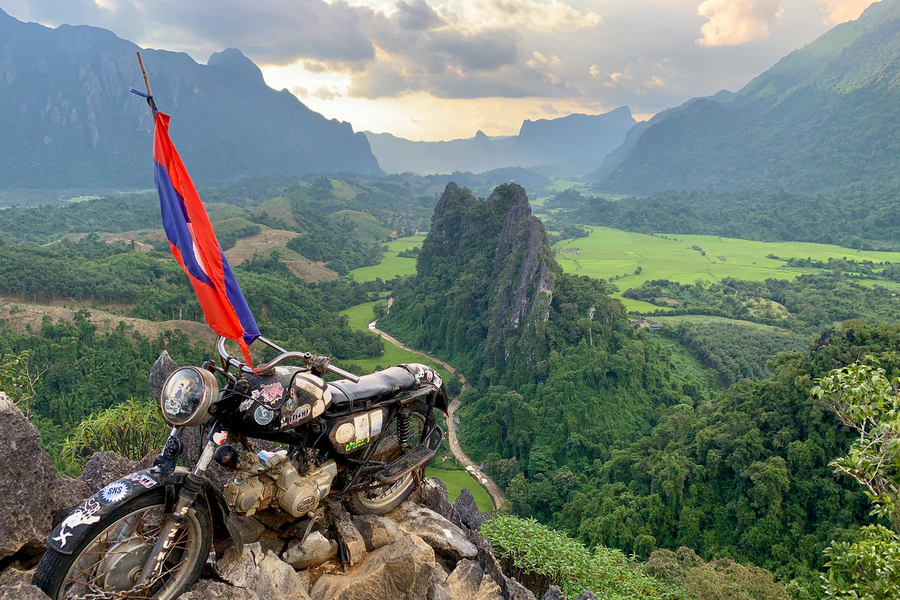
point(866, 401)
point(18, 378)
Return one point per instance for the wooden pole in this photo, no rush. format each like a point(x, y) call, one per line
point(146, 82)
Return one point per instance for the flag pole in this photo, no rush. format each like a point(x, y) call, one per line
point(146, 83)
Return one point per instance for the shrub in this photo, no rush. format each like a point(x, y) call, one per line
point(543, 555)
point(131, 429)
point(717, 580)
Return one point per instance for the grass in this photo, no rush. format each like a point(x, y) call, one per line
point(456, 481)
point(366, 225)
point(391, 265)
point(713, 319)
point(616, 255)
point(359, 317)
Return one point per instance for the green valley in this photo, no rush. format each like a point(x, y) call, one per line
point(631, 259)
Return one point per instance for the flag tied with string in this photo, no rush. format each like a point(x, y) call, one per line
point(194, 245)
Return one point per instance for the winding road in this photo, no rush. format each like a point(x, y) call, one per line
point(498, 498)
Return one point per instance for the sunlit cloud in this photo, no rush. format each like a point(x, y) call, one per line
point(549, 16)
point(734, 22)
point(489, 63)
point(840, 11)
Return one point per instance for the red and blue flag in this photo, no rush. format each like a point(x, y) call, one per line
point(194, 245)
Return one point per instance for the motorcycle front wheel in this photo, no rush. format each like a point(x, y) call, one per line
point(384, 499)
point(108, 560)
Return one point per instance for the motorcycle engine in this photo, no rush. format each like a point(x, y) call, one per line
point(267, 478)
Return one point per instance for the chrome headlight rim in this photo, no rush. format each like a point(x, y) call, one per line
point(187, 395)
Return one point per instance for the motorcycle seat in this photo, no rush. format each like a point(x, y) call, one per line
point(389, 381)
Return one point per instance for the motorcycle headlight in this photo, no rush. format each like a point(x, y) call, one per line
point(186, 396)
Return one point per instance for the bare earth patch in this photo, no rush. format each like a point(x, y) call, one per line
point(21, 314)
point(143, 239)
point(277, 239)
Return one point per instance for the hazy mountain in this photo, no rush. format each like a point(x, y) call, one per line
point(826, 115)
point(68, 119)
point(580, 138)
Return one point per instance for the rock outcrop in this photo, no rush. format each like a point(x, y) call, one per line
point(427, 549)
point(27, 485)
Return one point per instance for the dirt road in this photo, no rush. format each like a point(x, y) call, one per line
point(498, 498)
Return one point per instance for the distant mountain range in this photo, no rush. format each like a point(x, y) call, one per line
point(68, 119)
point(825, 116)
point(575, 143)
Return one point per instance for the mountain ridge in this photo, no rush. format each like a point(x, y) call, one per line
point(575, 138)
point(71, 122)
point(821, 118)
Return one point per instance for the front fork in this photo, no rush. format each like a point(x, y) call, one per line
point(190, 490)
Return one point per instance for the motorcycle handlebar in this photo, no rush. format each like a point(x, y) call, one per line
point(283, 356)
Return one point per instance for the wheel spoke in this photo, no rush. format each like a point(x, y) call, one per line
point(132, 536)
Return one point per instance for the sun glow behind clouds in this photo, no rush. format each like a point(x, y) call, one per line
point(442, 69)
point(419, 115)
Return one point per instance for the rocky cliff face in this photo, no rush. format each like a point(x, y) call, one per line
point(425, 549)
point(498, 240)
point(69, 119)
point(523, 279)
point(484, 284)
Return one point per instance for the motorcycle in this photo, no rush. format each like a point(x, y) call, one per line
point(363, 441)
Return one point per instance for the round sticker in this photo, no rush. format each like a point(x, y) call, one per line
point(115, 492)
point(263, 415)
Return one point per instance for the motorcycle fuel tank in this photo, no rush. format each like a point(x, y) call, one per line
point(283, 401)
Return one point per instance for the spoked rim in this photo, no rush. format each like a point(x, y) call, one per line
point(111, 563)
point(387, 449)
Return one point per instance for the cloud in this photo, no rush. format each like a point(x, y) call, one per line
point(418, 16)
point(734, 22)
point(840, 11)
point(327, 93)
point(486, 52)
point(640, 53)
point(548, 16)
point(274, 31)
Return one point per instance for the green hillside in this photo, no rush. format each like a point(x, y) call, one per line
point(823, 117)
point(621, 440)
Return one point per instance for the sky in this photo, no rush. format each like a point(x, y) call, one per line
point(444, 69)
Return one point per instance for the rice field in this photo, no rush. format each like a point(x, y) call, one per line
point(629, 259)
point(391, 265)
point(359, 317)
point(456, 481)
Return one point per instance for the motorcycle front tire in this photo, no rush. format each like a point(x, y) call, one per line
point(111, 554)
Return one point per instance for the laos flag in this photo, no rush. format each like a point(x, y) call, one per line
point(195, 247)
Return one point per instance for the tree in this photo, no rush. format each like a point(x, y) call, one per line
point(18, 378)
point(866, 401)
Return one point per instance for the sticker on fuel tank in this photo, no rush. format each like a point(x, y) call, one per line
point(268, 394)
point(298, 415)
point(263, 415)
